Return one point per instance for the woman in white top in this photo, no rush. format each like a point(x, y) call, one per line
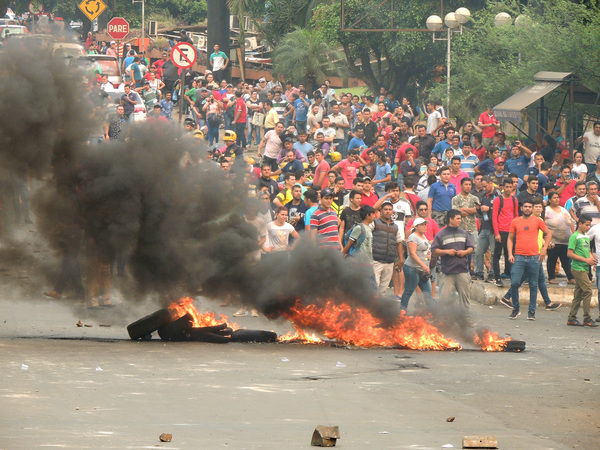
point(278, 233)
point(155, 82)
point(559, 222)
point(579, 169)
point(416, 267)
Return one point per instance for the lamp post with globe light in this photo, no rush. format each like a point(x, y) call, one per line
point(454, 22)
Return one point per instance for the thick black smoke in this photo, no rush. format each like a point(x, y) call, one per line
point(179, 229)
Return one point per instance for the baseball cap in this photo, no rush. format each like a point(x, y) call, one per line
point(499, 161)
point(419, 221)
point(326, 192)
point(367, 178)
point(146, 82)
point(500, 133)
point(112, 42)
point(387, 202)
point(203, 90)
point(261, 79)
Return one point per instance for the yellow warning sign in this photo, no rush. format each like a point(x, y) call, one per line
point(92, 8)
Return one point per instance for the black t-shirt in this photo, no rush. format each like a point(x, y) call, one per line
point(199, 104)
point(297, 211)
point(350, 218)
point(426, 144)
point(370, 133)
point(271, 184)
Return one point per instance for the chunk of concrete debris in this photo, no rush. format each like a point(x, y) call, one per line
point(480, 442)
point(325, 436)
point(79, 324)
point(165, 437)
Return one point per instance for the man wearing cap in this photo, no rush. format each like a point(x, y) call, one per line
point(324, 222)
point(499, 173)
point(112, 50)
point(149, 94)
point(489, 124)
point(219, 62)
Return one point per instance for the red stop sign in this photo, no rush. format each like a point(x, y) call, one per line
point(117, 28)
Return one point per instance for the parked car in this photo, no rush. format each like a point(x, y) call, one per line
point(7, 30)
point(106, 65)
point(68, 50)
point(114, 98)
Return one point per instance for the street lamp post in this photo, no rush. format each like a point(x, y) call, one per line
point(143, 2)
point(454, 22)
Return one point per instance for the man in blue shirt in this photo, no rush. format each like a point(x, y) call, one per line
point(301, 111)
point(441, 146)
point(357, 140)
point(439, 200)
point(302, 146)
point(519, 162)
point(468, 160)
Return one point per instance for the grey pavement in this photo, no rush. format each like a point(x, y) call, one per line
point(93, 388)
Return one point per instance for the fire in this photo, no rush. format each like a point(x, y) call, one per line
point(358, 327)
point(300, 336)
point(490, 341)
point(186, 305)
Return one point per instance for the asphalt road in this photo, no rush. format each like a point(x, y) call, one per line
point(93, 388)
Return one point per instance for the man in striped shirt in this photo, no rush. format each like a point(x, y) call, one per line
point(324, 222)
point(589, 204)
point(468, 160)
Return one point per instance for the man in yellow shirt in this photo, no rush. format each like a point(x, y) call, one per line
point(271, 118)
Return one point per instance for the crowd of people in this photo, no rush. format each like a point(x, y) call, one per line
point(400, 189)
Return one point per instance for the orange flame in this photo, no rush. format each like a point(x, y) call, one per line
point(186, 305)
point(358, 327)
point(301, 337)
point(489, 341)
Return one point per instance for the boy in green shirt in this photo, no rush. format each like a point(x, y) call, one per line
point(579, 252)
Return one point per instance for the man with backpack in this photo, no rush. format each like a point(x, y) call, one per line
point(505, 209)
point(359, 245)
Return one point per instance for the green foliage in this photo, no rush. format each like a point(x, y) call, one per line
point(491, 63)
point(284, 16)
point(305, 57)
point(398, 60)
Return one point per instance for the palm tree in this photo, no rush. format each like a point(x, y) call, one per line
point(304, 56)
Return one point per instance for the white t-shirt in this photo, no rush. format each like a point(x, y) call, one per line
point(577, 170)
point(278, 237)
point(401, 214)
point(594, 233)
point(433, 121)
point(592, 147)
point(326, 132)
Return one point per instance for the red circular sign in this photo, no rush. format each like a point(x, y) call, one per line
point(183, 55)
point(117, 28)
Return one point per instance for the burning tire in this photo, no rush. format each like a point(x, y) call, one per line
point(149, 324)
point(253, 336)
point(176, 331)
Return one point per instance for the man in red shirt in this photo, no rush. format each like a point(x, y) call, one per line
point(369, 197)
point(565, 185)
point(159, 65)
point(320, 180)
point(527, 256)
point(401, 153)
point(348, 168)
point(505, 208)
point(489, 124)
point(456, 175)
point(241, 114)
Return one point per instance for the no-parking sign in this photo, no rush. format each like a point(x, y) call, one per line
point(183, 55)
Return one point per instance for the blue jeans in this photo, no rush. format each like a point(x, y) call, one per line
point(240, 131)
point(411, 281)
point(541, 285)
point(213, 133)
point(485, 240)
point(341, 147)
point(300, 125)
point(525, 267)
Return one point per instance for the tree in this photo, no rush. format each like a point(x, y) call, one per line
point(305, 57)
point(401, 61)
point(490, 63)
